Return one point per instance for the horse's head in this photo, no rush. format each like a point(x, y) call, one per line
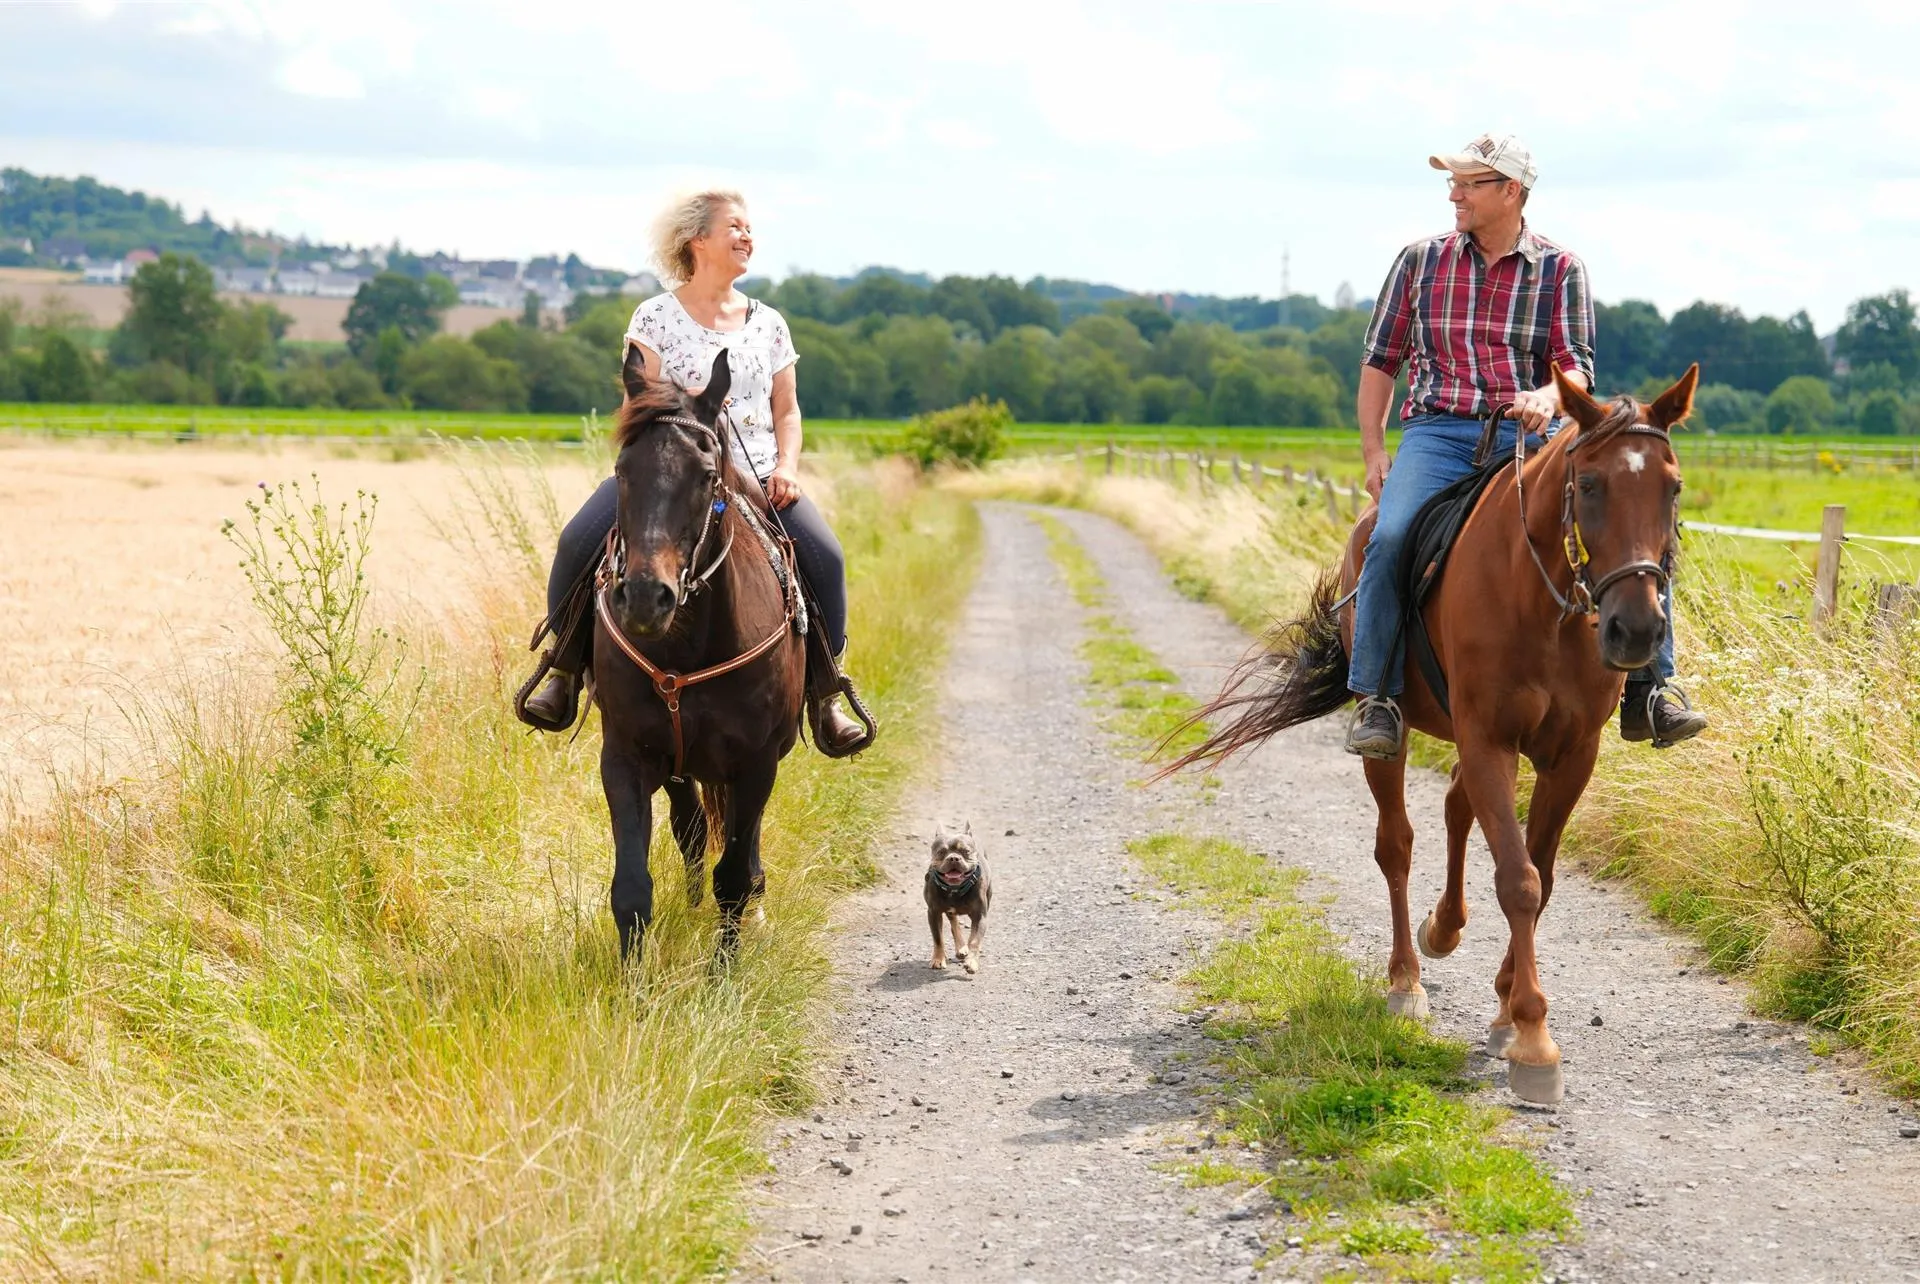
point(671, 473)
point(1620, 510)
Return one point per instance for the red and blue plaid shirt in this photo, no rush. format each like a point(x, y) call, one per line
point(1475, 334)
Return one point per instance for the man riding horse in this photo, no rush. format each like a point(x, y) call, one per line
point(1483, 315)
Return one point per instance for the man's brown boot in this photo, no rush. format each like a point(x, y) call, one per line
point(555, 706)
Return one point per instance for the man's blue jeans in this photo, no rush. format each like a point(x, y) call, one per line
point(1435, 452)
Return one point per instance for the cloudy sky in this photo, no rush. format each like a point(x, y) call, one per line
point(1766, 155)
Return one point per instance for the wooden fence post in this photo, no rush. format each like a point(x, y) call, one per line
point(1236, 470)
point(1259, 475)
point(1333, 504)
point(1109, 456)
point(1826, 575)
point(1353, 502)
point(1286, 475)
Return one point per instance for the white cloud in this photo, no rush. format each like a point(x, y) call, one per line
point(314, 72)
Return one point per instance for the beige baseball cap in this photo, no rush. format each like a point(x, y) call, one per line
point(1501, 153)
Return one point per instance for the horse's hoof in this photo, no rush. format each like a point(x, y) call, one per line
point(1541, 1085)
point(1499, 1039)
point(1422, 939)
point(1408, 1003)
point(971, 965)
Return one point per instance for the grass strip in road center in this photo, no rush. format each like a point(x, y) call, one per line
point(1391, 1168)
point(1146, 705)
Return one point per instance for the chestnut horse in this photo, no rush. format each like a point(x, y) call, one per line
point(698, 667)
point(1550, 596)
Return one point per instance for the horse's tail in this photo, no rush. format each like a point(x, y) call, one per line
point(1298, 674)
point(713, 804)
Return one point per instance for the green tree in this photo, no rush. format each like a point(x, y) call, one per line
point(603, 327)
point(880, 293)
point(1878, 328)
point(411, 309)
point(1627, 344)
point(1237, 398)
point(1725, 408)
point(65, 370)
point(172, 314)
point(1778, 350)
point(530, 311)
point(1715, 335)
point(561, 372)
point(806, 294)
point(1191, 350)
point(958, 299)
point(1017, 368)
point(1107, 333)
point(1882, 413)
point(923, 363)
point(1012, 304)
point(1339, 341)
point(1800, 405)
point(838, 377)
point(1146, 315)
point(446, 373)
point(1162, 400)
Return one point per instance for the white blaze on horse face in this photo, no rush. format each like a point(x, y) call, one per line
point(1636, 461)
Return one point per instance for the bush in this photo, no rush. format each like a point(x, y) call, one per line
point(1800, 405)
point(160, 383)
point(1725, 408)
point(971, 434)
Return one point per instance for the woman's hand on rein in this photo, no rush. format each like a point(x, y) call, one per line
point(783, 485)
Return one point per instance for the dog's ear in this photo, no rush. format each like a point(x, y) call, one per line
point(969, 829)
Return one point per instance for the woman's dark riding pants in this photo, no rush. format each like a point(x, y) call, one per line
point(822, 565)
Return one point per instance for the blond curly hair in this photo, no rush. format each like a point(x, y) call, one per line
point(686, 218)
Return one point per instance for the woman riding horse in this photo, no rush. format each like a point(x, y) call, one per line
point(705, 242)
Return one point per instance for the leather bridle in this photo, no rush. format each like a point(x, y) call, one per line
point(1584, 597)
point(668, 684)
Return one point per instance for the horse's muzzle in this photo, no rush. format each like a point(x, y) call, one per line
point(644, 606)
point(1630, 638)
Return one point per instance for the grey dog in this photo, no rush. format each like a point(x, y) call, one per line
point(957, 883)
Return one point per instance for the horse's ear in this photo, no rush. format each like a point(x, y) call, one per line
point(713, 398)
point(1575, 401)
point(633, 372)
point(1676, 403)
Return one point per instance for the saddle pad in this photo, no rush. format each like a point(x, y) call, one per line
point(1424, 557)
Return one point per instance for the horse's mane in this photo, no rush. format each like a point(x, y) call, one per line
point(659, 399)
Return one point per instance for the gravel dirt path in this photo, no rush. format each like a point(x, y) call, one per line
point(1020, 1125)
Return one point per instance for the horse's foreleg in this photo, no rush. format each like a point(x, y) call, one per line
point(629, 790)
point(1439, 936)
point(689, 822)
point(1393, 852)
point(738, 876)
point(1533, 1060)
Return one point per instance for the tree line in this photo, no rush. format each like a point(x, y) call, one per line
point(886, 345)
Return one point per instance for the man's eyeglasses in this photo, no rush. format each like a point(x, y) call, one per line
point(1457, 185)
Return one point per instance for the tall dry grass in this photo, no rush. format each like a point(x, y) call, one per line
point(1785, 838)
point(242, 1035)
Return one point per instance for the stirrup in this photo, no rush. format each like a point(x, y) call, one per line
point(1680, 697)
point(531, 685)
point(854, 702)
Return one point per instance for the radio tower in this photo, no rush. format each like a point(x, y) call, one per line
point(1286, 286)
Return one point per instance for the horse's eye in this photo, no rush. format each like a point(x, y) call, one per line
point(1588, 485)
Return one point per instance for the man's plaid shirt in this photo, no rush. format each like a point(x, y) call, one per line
point(1476, 335)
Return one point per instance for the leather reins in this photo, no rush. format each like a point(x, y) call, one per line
point(1584, 597)
point(668, 684)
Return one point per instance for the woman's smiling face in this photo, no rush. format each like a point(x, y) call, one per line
point(728, 242)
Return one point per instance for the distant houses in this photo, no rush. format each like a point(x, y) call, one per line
point(487, 283)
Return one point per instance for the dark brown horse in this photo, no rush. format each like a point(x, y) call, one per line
point(1550, 596)
point(698, 667)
